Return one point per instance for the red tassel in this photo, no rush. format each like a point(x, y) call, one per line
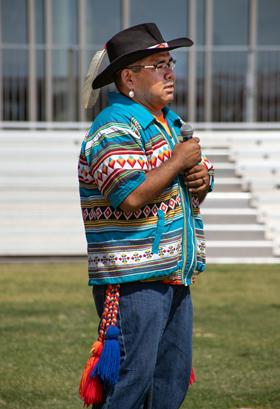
point(192, 377)
point(93, 392)
point(90, 388)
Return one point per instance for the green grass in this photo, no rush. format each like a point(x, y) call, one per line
point(236, 338)
point(48, 324)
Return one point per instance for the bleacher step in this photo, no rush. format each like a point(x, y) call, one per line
point(228, 216)
point(239, 248)
point(234, 232)
point(40, 212)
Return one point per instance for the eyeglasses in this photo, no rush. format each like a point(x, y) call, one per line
point(160, 68)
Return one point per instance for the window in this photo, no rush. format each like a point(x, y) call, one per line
point(14, 21)
point(268, 22)
point(64, 21)
point(102, 20)
point(171, 17)
point(230, 22)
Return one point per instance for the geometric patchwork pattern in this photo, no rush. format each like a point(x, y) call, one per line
point(119, 162)
point(108, 212)
point(129, 162)
point(122, 258)
point(206, 162)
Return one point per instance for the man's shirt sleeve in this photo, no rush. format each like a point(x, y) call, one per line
point(210, 169)
point(117, 162)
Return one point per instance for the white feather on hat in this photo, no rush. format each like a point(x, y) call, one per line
point(97, 65)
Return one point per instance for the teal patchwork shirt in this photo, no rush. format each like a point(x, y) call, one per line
point(163, 240)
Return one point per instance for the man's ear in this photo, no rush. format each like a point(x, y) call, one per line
point(127, 78)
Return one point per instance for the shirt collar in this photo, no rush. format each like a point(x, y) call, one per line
point(142, 115)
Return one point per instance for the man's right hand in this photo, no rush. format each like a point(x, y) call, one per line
point(188, 153)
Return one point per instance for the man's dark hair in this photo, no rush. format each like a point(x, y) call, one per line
point(118, 80)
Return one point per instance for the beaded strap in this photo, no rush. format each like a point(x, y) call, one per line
point(111, 306)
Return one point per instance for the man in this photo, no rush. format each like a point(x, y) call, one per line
point(140, 192)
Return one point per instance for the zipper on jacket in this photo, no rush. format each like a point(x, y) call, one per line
point(186, 226)
point(195, 243)
point(184, 250)
point(190, 272)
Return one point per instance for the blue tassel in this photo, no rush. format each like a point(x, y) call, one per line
point(108, 366)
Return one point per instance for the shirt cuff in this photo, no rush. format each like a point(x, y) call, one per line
point(126, 188)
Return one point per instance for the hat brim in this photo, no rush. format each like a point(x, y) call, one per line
point(108, 75)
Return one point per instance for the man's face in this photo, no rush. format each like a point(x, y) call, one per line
point(151, 89)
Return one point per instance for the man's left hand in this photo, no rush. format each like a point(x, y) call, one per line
point(197, 179)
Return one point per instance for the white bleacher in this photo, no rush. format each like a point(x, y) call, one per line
point(255, 158)
point(39, 201)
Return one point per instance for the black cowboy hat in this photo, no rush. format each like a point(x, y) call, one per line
point(131, 45)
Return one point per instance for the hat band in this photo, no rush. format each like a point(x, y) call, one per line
point(162, 45)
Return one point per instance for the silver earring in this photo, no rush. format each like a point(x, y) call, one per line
point(131, 93)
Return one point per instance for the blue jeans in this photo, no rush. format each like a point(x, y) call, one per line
point(155, 323)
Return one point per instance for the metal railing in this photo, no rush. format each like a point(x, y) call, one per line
point(244, 84)
point(84, 126)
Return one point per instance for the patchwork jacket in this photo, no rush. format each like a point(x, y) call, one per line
point(163, 240)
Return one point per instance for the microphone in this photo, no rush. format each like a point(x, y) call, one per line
point(186, 132)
